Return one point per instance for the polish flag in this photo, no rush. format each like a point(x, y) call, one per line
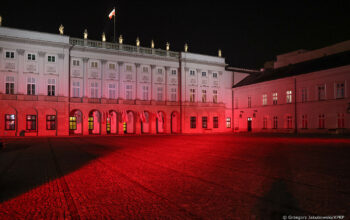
point(111, 14)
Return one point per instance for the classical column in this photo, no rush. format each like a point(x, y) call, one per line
point(62, 87)
point(120, 65)
point(153, 67)
point(103, 69)
point(21, 87)
point(85, 78)
point(137, 71)
point(167, 72)
point(103, 111)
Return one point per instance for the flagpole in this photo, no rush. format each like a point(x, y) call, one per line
point(115, 40)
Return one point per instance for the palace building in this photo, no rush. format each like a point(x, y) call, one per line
point(56, 85)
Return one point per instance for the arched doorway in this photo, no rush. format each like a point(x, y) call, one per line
point(94, 122)
point(160, 122)
point(175, 121)
point(145, 124)
point(76, 122)
point(112, 123)
point(128, 122)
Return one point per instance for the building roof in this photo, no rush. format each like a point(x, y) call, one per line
point(323, 63)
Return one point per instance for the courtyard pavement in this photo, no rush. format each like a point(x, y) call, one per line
point(175, 177)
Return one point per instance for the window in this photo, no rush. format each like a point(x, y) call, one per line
point(204, 74)
point(193, 122)
point(321, 92)
point(228, 122)
point(340, 91)
point(112, 91)
point(215, 75)
point(10, 85)
point(31, 122)
point(215, 96)
point(304, 121)
point(128, 68)
point(30, 86)
point(31, 57)
point(94, 90)
point(249, 102)
point(192, 95)
point(192, 73)
point(274, 98)
point(51, 59)
point(289, 122)
point(51, 87)
point(265, 122)
point(173, 95)
point(76, 63)
point(10, 122)
point(10, 55)
point(160, 71)
point(91, 123)
point(304, 95)
point(160, 93)
point(173, 72)
point(76, 89)
point(264, 99)
point(145, 69)
point(93, 64)
point(321, 121)
point(111, 66)
point(51, 122)
point(275, 122)
point(128, 92)
point(72, 123)
point(289, 96)
point(204, 122)
point(144, 92)
point(341, 120)
point(215, 122)
point(204, 95)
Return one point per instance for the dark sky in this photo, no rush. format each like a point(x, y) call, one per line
point(248, 32)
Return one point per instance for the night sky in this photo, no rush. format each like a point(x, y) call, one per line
point(249, 33)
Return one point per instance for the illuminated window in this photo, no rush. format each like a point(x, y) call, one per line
point(264, 99)
point(265, 122)
point(51, 59)
point(289, 122)
point(321, 92)
point(10, 85)
point(173, 72)
point(192, 73)
point(215, 96)
point(215, 75)
point(160, 94)
point(128, 92)
point(228, 122)
point(304, 95)
point(340, 90)
point(51, 87)
point(112, 91)
point(76, 89)
point(31, 57)
point(10, 54)
point(31, 86)
point(289, 96)
point(76, 63)
point(192, 95)
point(204, 122)
point(111, 66)
point(72, 123)
point(173, 95)
point(304, 121)
point(249, 102)
point(341, 120)
point(10, 122)
point(275, 122)
point(31, 122)
point(215, 122)
point(91, 123)
point(204, 74)
point(51, 122)
point(321, 121)
point(274, 98)
point(193, 122)
point(204, 95)
point(94, 89)
point(144, 92)
point(93, 64)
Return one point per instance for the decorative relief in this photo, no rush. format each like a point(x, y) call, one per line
point(128, 77)
point(94, 75)
point(159, 79)
point(215, 83)
point(41, 53)
point(76, 73)
point(204, 82)
point(193, 81)
point(145, 78)
point(10, 66)
point(173, 81)
point(20, 51)
point(31, 67)
point(112, 75)
point(50, 69)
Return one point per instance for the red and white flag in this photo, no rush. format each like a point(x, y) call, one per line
point(111, 14)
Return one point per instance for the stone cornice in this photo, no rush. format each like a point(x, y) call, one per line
point(204, 62)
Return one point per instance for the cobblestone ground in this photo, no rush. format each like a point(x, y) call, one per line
point(174, 177)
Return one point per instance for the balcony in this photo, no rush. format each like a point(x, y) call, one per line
point(123, 47)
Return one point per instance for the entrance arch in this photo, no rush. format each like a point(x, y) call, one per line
point(175, 121)
point(160, 119)
point(145, 123)
point(112, 122)
point(94, 122)
point(76, 122)
point(128, 122)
